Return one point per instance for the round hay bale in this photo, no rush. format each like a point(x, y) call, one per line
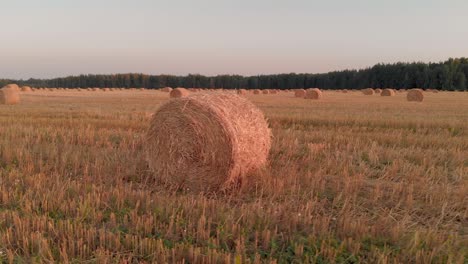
point(266, 91)
point(257, 91)
point(378, 90)
point(368, 91)
point(242, 91)
point(415, 95)
point(314, 93)
point(344, 91)
point(179, 92)
point(12, 86)
point(207, 142)
point(105, 89)
point(299, 93)
point(166, 89)
point(26, 89)
point(9, 96)
point(273, 91)
point(388, 92)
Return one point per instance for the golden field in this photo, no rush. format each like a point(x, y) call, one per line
point(351, 179)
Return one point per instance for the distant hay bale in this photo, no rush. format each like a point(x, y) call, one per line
point(299, 93)
point(368, 91)
point(257, 91)
point(273, 91)
point(265, 91)
point(207, 141)
point(12, 86)
point(415, 95)
point(314, 93)
point(9, 95)
point(105, 89)
point(387, 92)
point(344, 91)
point(166, 89)
point(242, 91)
point(179, 92)
point(26, 89)
point(378, 90)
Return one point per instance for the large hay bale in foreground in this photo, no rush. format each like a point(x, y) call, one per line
point(314, 93)
point(368, 91)
point(415, 95)
point(179, 92)
point(299, 93)
point(207, 142)
point(388, 92)
point(9, 95)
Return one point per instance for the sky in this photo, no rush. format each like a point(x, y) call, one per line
point(56, 38)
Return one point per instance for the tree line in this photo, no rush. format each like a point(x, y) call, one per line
point(447, 75)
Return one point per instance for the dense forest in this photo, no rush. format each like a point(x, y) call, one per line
point(448, 75)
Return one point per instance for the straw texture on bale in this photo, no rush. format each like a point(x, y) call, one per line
point(314, 93)
point(368, 91)
point(299, 93)
point(179, 92)
point(12, 86)
point(9, 96)
point(207, 142)
point(415, 95)
point(388, 92)
point(378, 90)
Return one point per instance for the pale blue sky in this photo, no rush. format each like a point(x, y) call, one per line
point(53, 38)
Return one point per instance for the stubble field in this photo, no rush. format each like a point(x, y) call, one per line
point(351, 179)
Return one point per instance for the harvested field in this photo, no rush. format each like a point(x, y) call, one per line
point(350, 179)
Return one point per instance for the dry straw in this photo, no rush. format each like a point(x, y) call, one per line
point(9, 95)
point(179, 92)
point(299, 93)
point(388, 92)
point(378, 90)
point(166, 89)
point(368, 91)
point(257, 91)
point(266, 91)
point(208, 141)
point(415, 95)
point(314, 93)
